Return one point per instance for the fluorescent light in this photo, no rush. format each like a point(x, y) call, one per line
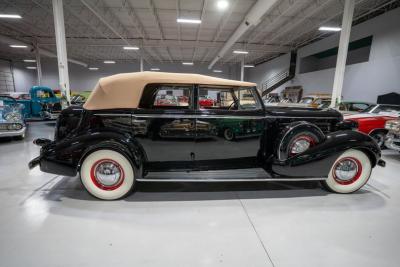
point(155, 69)
point(240, 52)
point(330, 29)
point(31, 68)
point(109, 62)
point(93, 68)
point(131, 48)
point(249, 66)
point(187, 63)
point(193, 21)
point(18, 46)
point(10, 16)
point(217, 71)
point(222, 4)
point(29, 60)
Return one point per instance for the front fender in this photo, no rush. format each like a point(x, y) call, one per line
point(318, 160)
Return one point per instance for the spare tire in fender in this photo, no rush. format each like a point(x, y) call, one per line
point(297, 136)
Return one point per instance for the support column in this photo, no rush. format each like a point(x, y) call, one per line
point(242, 69)
point(58, 14)
point(38, 65)
point(141, 63)
point(342, 53)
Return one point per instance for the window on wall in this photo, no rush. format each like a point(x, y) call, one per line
point(358, 52)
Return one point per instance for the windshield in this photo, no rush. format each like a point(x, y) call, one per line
point(383, 109)
point(7, 101)
point(44, 94)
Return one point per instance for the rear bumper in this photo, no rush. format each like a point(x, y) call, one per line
point(13, 133)
point(48, 162)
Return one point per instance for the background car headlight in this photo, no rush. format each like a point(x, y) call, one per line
point(393, 125)
point(15, 126)
point(13, 116)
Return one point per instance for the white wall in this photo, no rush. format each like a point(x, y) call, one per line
point(83, 79)
point(362, 81)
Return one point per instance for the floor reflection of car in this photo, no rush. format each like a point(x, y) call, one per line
point(234, 129)
point(186, 128)
point(12, 121)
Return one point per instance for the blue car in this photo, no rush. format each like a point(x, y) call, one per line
point(12, 121)
point(41, 103)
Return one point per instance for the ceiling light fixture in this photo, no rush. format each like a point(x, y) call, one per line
point(330, 29)
point(18, 46)
point(249, 66)
point(93, 68)
point(29, 60)
point(240, 52)
point(31, 68)
point(187, 63)
point(131, 48)
point(10, 16)
point(222, 4)
point(218, 71)
point(192, 21)
point(154, 69)
point(109, 62)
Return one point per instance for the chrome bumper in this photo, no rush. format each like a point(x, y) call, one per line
point(13, 133)
point(390, 141)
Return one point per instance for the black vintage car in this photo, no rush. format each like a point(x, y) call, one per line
point(123, 133)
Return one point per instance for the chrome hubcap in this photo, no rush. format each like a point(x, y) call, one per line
point(108, 173)
point(346, 170)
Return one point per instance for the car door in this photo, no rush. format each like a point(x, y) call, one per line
point(230, 128)
point(164, 124)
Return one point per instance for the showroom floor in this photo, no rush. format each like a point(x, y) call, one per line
point(48, 220)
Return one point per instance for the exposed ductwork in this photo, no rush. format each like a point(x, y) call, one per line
point(252, 18)
point(8, 40)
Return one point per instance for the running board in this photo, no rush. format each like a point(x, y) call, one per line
point(244, 175)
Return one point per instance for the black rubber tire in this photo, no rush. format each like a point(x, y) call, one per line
point(229, 135)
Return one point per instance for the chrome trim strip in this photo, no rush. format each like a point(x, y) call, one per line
point(195, 116)
point(231, 180)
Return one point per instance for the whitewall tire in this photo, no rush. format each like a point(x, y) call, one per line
point(107, 174)
point(349, 172)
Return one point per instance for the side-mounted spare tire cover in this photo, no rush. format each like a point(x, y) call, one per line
point(296, 138)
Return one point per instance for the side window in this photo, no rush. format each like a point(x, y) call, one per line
point(247, 99)
point(216, 98)
point(172, 97)
point(358, 107)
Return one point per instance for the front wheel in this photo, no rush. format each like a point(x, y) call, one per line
point(107, 174)
point(349, 172)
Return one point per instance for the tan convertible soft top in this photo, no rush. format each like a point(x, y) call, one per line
point(125, 90)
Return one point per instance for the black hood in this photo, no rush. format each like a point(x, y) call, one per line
point(305, 112)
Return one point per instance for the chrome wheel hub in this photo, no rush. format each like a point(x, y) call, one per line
point(346, 169)
point(108, 173)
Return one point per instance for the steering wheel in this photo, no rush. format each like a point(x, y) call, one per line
point(233, 104)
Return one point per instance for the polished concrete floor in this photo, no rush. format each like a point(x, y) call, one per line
point(49, 220)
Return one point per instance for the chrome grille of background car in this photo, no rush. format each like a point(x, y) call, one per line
point(3, 127)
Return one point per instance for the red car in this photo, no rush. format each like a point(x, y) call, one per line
point(205, 101)
point(372, 120)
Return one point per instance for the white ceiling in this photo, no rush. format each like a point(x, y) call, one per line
point(151, 25)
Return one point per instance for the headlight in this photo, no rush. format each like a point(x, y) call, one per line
point(393, 125)
point(15, 126)
point(13, 116)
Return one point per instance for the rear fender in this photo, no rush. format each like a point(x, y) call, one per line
point(318, 160)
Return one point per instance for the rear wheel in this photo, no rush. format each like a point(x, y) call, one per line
point(107, 174)
point(349, 172)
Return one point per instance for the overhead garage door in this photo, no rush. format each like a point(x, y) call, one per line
point(6, 77)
